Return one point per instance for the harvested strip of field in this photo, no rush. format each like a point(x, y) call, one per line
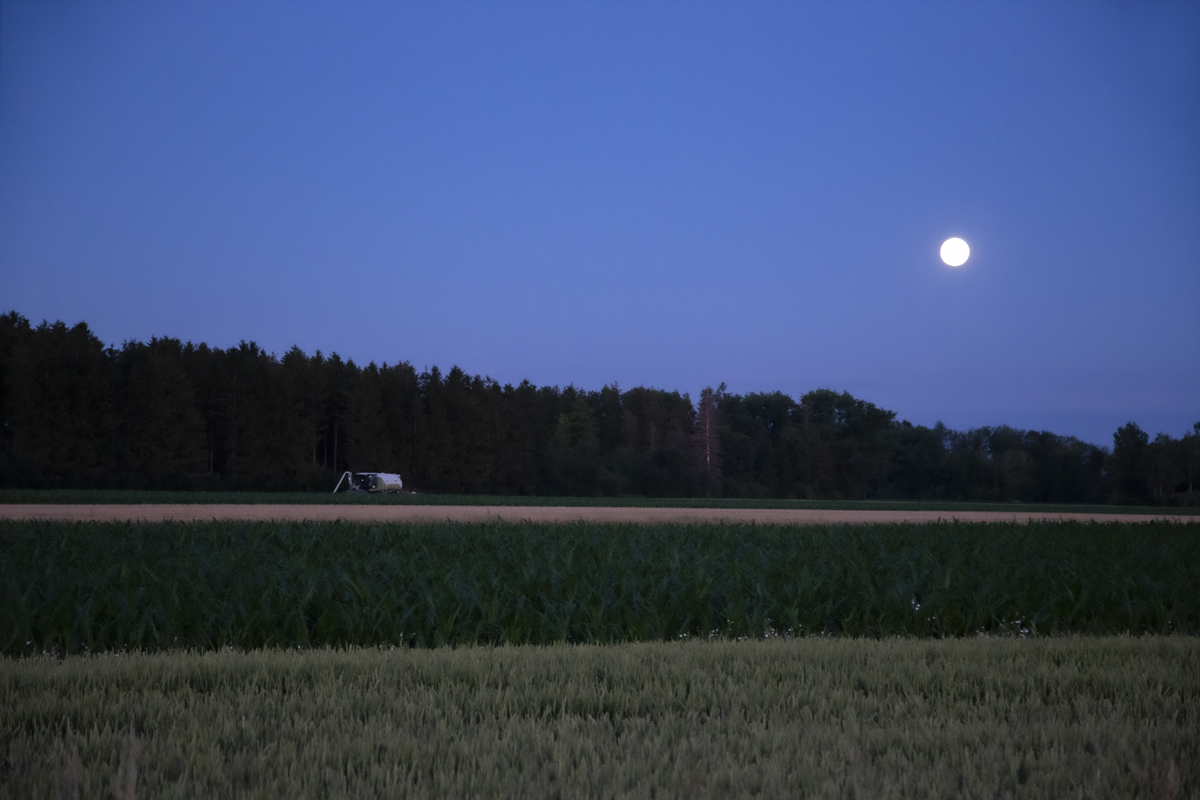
point(32, 497)
point(1044, 718)
point(76, 587)
point(544, 514)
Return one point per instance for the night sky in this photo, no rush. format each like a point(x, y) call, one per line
point(661, 194)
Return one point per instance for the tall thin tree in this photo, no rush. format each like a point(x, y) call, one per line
point(707, 440)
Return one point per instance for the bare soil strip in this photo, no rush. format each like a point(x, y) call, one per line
point(436, 514)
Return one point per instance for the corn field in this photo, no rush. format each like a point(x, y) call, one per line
point(91, 587)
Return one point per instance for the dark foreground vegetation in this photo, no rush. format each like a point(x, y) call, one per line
point(813, 718)
point(170, 415)
point(80, 587)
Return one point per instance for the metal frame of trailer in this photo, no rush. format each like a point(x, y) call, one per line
point(370, 482)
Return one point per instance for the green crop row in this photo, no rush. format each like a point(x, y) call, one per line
point(73, 587)
point(141, 497)
point(813, 718)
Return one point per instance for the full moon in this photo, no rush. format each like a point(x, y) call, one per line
point(955, 252)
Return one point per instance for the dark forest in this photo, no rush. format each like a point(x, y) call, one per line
point(170, 415)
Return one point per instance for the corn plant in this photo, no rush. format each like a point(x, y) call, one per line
point(76, 587)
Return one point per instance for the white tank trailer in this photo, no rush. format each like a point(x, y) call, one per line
point(373, 482)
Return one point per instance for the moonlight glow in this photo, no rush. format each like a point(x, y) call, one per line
point(955, 252)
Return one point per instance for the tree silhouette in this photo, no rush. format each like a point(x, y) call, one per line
point(169, 415)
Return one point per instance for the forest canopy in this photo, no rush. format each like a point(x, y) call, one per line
point(172, 415)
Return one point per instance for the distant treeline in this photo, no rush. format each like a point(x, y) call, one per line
point(165, 414)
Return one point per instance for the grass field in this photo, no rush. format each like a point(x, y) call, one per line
point(815, 718)
point(79, 587)
point(103, 497)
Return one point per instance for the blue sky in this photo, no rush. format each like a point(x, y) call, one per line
point(667, 194)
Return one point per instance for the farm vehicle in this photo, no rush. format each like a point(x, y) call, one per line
point(373, 482)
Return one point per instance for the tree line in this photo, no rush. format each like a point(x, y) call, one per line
point(165, 414)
